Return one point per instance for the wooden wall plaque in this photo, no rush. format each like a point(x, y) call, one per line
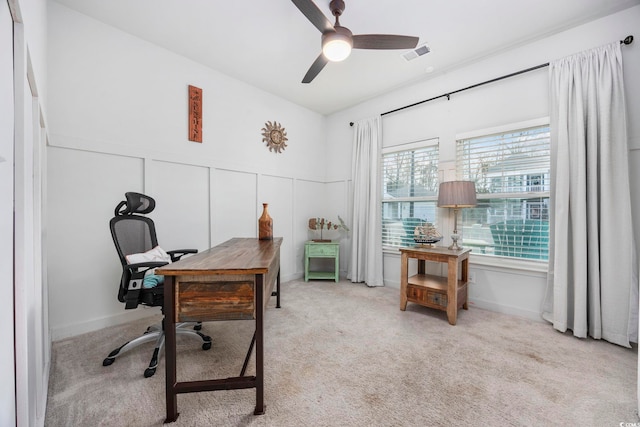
point(195, 114)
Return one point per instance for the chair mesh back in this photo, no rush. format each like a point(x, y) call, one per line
point(133, 234)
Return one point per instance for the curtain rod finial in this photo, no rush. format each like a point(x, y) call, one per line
point(351, 124)
point(628, 40)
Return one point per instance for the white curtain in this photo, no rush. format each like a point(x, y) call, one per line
point(366, 234)
point(593, 272)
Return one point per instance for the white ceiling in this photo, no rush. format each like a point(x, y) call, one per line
point(271, 45)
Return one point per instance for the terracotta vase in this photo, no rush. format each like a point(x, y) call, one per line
point(265, 224)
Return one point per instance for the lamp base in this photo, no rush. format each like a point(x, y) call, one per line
point(454, 246)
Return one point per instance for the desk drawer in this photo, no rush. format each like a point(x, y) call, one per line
point(430, 297)
point(322, 249)
point(208, 301)
point(435, 298)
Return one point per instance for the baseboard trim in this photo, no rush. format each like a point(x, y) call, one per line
point(73, 329)
point(506, 309)
point(489, 305)
point(392, 284)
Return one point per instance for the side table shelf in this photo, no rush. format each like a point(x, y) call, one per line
point(322, 250)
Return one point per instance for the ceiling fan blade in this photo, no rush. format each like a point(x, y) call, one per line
point(384, 41)
point(313, 14)
point(315, 69)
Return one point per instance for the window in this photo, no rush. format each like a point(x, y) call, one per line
point(409, 190)
point(511, 172)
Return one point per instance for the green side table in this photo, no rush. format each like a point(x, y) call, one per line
point(321, 250)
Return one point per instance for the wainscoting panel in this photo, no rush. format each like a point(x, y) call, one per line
point(83, 265)
point(182, 204)
point(337, 196)
point(278, 192)
point(197, 206)
point(233, 205)
point(310, 203)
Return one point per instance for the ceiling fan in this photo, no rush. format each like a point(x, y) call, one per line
point(337, 41)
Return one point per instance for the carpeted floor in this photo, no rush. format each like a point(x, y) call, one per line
point(343, 354)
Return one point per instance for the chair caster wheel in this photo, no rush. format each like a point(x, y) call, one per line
point(197, 327)
point(108, 361)
point(207, 345)
point(149, 372)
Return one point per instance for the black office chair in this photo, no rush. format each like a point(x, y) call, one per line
point(134, 236)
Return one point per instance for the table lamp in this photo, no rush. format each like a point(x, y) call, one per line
point(456, 195)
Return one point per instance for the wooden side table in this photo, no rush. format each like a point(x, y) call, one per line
point(442, 293)
point(322, 250)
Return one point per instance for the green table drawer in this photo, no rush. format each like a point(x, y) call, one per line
point(328, 250)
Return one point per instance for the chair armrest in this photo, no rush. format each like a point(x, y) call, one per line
point(131, 285)
point(176, 254)
point(136, 273)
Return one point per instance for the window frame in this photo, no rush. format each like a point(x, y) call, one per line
point(536, 265)
point(400, 148)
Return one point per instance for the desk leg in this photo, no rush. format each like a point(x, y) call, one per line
point(259, 345)
point(465, 279)
point(404, 279)
point(278, 290)
point(170, 348)
point(452, 291)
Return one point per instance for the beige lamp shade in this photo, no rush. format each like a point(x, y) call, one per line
point(457, 194)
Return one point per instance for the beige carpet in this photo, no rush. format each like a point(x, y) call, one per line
point(341, 354)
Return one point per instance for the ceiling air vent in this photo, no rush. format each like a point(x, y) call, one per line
point(409, 55)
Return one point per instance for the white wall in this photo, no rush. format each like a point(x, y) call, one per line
point(7, 370)
point(118, 122)
point(518, 290)
point(27, 160)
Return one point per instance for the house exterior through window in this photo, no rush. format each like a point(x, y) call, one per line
point(511, 169)
point(409, 190)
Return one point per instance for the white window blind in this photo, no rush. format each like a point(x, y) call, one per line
point(409, 190)
point(511, 172)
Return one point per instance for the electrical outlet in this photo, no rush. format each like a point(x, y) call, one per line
point(472, 277)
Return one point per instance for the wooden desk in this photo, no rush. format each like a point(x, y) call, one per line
point(232, 281)
point(442, 293)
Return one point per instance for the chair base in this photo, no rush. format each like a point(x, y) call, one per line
point(156, 332)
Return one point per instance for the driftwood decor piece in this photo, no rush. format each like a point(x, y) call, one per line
point(275, 136)
point(322, 224)
point(195, 114)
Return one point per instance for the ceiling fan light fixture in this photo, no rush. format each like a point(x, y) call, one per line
point(336, 47)
point(337, 41)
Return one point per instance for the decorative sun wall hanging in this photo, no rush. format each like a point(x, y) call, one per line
point(275, 136)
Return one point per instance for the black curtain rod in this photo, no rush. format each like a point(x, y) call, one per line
point(627, 40)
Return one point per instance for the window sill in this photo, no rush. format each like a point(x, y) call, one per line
point(494, 262)
point(506, 263)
